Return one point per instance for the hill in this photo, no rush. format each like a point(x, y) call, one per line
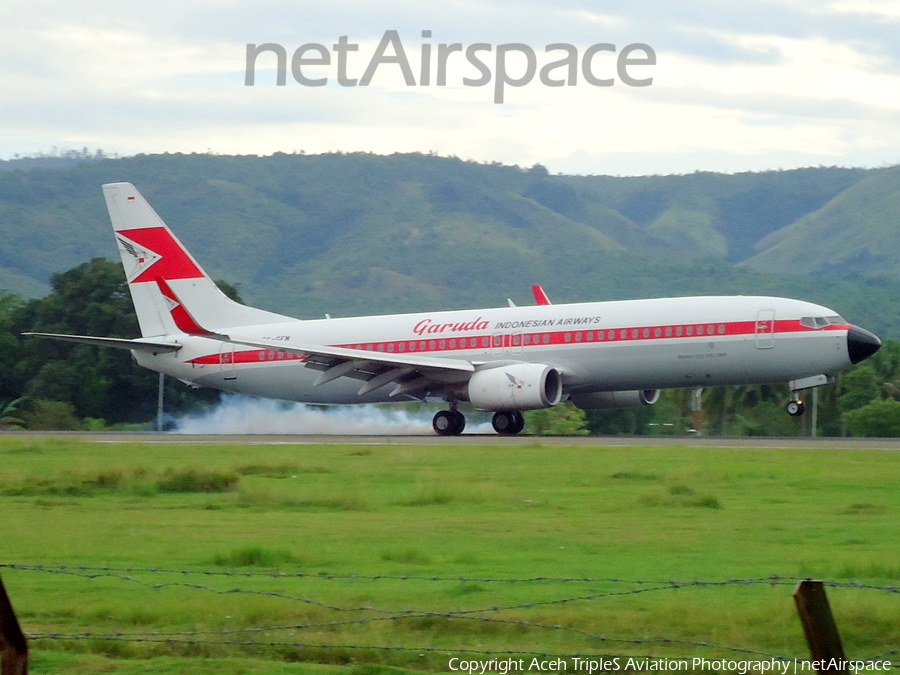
point(361, 233)
point(855, 232)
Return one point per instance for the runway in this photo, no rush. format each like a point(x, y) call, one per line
point(470, 439)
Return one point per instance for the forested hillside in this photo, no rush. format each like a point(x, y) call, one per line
point(360, 233)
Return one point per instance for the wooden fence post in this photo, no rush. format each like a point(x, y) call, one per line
point(819, 626)
point(13, 646)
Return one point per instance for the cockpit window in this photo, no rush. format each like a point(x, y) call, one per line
point(820, 321)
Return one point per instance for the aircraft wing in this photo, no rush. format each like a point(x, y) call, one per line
point(120, 343)
point(409, 372)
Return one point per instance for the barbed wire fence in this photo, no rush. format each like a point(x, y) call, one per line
point(363, 615)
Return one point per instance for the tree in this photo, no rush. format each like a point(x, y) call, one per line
point(560, 420)
point(52, 416)
point(859, 386)
point(9, 345)
point(90, 299)
point(880, 418)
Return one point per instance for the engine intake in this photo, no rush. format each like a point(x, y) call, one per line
point(616, 400)
point(523, 386)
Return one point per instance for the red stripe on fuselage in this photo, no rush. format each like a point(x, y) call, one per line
point(246, 356)
point(512, 340)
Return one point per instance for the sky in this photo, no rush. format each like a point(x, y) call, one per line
point(728, 86)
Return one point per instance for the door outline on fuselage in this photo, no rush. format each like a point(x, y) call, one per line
point(498, 344)
point(507, 343)
point(226, 361)
point(765, 329)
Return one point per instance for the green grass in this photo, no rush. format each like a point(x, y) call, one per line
point(461, 513)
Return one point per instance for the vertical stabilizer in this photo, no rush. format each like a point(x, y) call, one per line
point(154, 260)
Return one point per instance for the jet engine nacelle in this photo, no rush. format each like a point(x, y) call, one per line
point(616, 400)
point(523, 386)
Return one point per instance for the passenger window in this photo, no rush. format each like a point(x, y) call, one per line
point(546, 338)
point(526, 340)
point(390, 346)
point(699, 330)
point(678, 331)
point(624, 334)
point(432, 345)
point(412, 346)
point(422, 346)
point(634, 333)
point(452, 344)
point(568, 337)
point(443, 344)
point(646, 332)
point(577, 337)
point(690, 330)
point(721, 329)
point(657, 332)
point(668, 331)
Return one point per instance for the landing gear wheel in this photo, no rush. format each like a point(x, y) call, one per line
point(508, 423)
point(448, 423)
point(460, 422)
point(520, 422)
point(795, 408)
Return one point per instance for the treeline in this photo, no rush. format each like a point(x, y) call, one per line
point(47, 384)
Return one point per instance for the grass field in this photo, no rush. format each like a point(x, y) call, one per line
point(205, 546)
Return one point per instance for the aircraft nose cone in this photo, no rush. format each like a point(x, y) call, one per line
point(861, 344)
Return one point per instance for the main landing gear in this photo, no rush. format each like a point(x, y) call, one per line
point(508, 423)
point(448, 423)
point(452, 422)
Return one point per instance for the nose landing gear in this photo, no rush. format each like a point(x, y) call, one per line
point(795, 408)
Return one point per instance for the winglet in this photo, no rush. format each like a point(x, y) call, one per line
point(539, 296)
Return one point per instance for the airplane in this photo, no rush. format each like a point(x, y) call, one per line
point(599, 355)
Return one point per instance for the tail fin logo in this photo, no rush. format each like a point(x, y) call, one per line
point(156, 248)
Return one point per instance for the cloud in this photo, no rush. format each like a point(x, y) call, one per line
point(736, 85)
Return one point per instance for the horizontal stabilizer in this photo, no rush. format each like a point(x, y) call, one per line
point(119, 343)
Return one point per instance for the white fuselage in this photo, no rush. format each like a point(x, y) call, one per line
point(599, 346)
